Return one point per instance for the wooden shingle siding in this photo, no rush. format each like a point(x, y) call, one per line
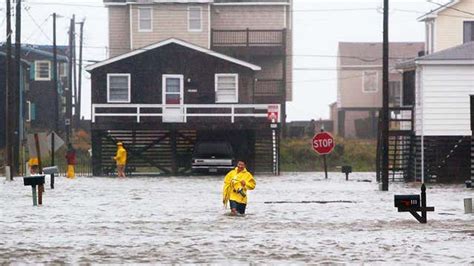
point(147, 69)
point(119, 30)
point(170, 21)
point(444, 102)
point(252, 17)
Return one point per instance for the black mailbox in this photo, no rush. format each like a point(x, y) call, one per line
point(33, 180)
point(407, 201)
point(346, 169)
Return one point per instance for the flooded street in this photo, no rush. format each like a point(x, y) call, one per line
point(181, 220)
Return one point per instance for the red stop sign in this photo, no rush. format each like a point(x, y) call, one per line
point(323, 143)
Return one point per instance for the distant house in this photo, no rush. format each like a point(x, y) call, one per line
point(359, 89)
point(305, 129)
point(182, 71)
point(39, 96)
point(449, 25)
point(24, 85)
point(443, 84)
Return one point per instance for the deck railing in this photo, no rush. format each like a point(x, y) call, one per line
point(248, 38)
point(231, 111)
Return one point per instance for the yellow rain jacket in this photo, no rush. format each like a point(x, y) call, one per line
point(232, 185)
point(121, 156)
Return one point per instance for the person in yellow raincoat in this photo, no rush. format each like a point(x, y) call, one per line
point(71, 161)
point(236, 184)
point(33, 164)
point(120, 159)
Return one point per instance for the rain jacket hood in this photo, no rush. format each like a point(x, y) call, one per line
point(232, 186)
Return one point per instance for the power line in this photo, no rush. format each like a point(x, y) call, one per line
point(34, 31)
point(420, 12)
point(37, 25)
point(450, 7)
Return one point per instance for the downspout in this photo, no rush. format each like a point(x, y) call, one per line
point(422, 128)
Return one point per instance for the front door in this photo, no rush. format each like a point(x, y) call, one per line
point(173, 98)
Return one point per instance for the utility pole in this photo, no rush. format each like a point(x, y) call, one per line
point(78, 102)
point(8, 88)
point(74, 74)
point(16, 93)
point(70, 82)
point(55, 76)
point(385, 111)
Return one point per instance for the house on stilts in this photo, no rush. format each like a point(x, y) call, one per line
point(431, 136)
point(181, 72)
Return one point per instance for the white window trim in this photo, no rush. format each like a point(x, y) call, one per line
point(236, 76)
point(64, 67)
point(108, 86)
point(151, 19)
point(37, 77)
point(181, 87)
point(376, 79)
point(189, 18)
point(28, 103)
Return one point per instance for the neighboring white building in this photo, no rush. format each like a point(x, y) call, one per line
point(443, 98)
point(445, 85)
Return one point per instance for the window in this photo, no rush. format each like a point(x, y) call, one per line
point(468, 31)
point(227, 88)
point(62, 70)
point(30, 112)
point(194, 19)
point(118, 88)
point(370, 81)
point(42, 70)
point(145, 15)
point(395, 94)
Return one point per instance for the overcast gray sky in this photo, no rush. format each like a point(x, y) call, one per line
point(318, 26)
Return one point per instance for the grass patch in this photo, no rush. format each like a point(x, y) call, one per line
point(297, 155)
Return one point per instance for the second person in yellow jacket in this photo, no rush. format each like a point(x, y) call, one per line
point(236, 184)
point(121, 159)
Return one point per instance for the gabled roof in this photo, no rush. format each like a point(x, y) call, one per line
point(464, 52)
point(178, 42)
point(370, 53)
point(434, 13)
point(42, 50)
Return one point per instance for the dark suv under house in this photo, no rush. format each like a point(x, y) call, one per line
point(212, 157)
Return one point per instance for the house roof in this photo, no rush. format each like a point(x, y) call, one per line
point(434, 13)
point(463, 52)
point(370, 53)
point(178, 42)
point(3, 54)
point(42, 50)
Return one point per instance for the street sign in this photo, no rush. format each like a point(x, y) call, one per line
point(43, 144)
point(323, 143)
point(272, 113)
point(58, 141)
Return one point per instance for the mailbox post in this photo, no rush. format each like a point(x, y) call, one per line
point(346, 169)
point(34, 181)
point(411, 204)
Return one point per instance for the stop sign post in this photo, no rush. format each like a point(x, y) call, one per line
point(323, 143)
